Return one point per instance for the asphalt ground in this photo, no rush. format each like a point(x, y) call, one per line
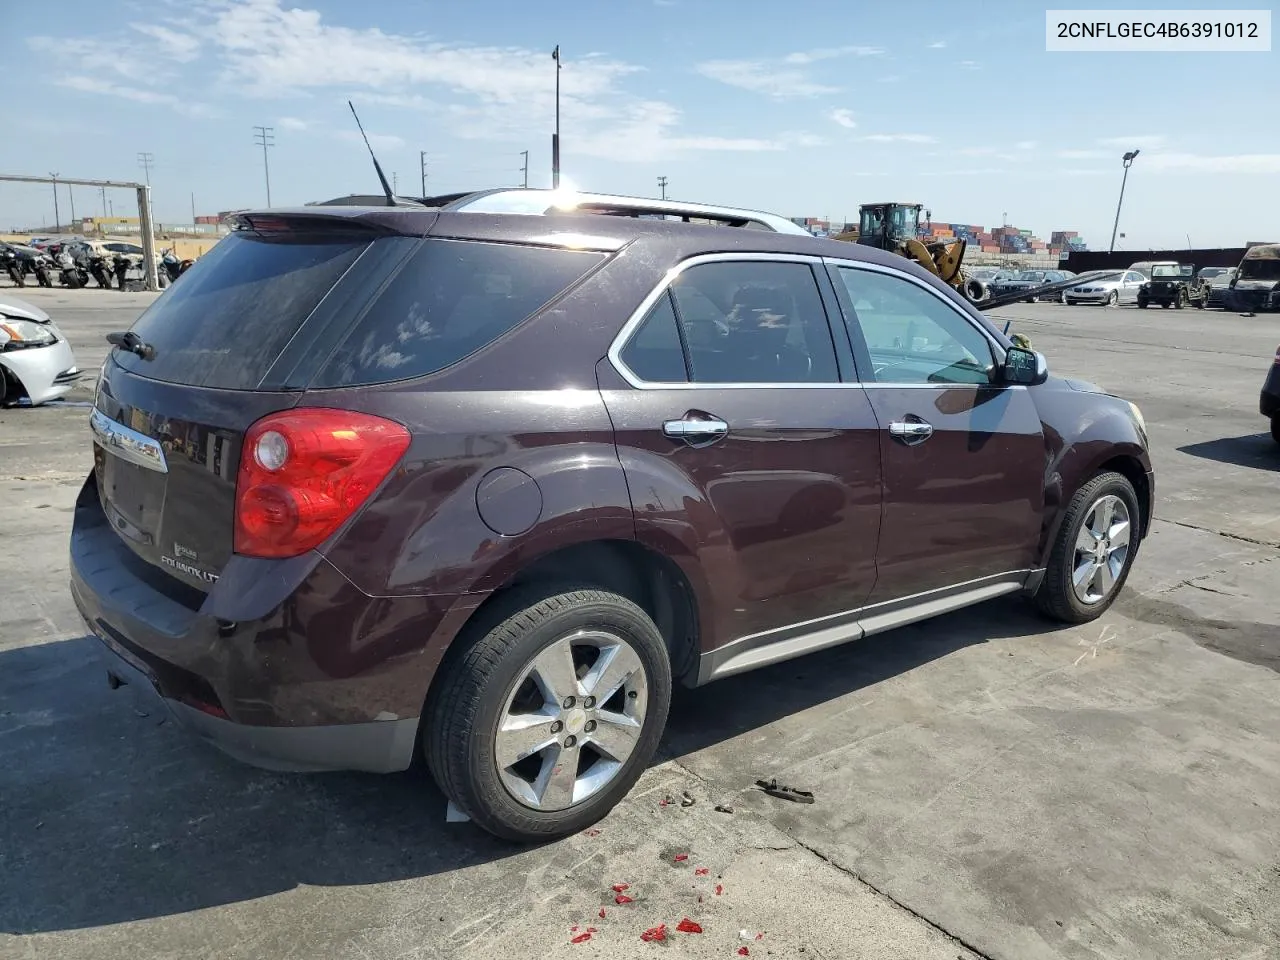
point(986, 784)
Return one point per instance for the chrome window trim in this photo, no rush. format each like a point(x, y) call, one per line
point(127, 444)
point(641, 312)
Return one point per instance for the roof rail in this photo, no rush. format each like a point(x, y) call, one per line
point(536, 202)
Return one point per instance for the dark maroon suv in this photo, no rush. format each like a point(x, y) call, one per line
point(373, 481)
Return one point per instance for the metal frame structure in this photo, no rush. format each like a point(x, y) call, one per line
point(144, 214)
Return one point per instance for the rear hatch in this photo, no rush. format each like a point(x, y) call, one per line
point(220, 349)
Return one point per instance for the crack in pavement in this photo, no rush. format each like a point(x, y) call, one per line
point(1221, 533)
point(954, 938)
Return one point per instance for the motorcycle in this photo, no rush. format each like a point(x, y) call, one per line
point(73, 274)
point(12, 266)
point(100, 271)
point(121, 264)
point(42, 267)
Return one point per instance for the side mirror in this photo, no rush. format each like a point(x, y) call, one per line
point(1024, 366)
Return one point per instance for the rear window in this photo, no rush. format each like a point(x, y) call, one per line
point(452, 298)
point(230, 316)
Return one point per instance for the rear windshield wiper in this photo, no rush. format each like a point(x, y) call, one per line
point(133, 343)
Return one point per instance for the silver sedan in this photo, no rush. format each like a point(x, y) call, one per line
point(1120, 287)
point(36, 362)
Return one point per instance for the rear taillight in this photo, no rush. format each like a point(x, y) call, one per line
point(304, 472)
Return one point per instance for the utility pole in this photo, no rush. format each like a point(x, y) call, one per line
point(395, 183)
point(555, 137)
point(422, 165)
point(145, 160)
point(662, 183)
point(71, 198)
point(103, 191)
point(265, 137)
point(524, 170)
point(193, 206)
point(1127, 160)
point(57, 227)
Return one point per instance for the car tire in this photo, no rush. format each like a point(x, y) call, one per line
point(502, 671)
point(1059, 597)
point(1275, 429)
point(1143, 304)
point(1114, 299)
point(1181, 302)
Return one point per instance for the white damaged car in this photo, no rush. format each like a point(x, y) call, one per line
point(36, 362)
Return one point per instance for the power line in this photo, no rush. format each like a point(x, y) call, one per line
point(265, 137)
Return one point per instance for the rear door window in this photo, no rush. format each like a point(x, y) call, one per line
point(451, 299)
point(234, 312)
point(654, 353)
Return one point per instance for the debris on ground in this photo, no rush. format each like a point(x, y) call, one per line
point(656, 934)
point(689, 926)
point(686, 799)
point(667, 801)
point(748, 935)
point(719, 889)
point(602, 913)
point(593, 832)
point(454, 814)
point(622, 898)
point(619, 887)
point(744, 952)
point(680, 858)
point(584, 936)
point(723, 808)
point(701, 872)
point(783, 792)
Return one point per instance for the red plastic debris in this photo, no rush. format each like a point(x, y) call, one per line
point(719, 889)
point(582, 937)
point(593, 832)
point(664, 801)
point(701, 872)
point(744, 952)
point(759, 936)
point(602, 913)
point(688, 926)
point(655, 934)
point(680, 857)
point(619, 887)
point(622, 898)
point(574, 928)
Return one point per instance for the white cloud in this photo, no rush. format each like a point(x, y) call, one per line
point(843, 117)
point(292, 123)
point(802, 138)
point(1267, 163)
point(265, 49)
point(85, 84)
point(831, 53)
point(378, 141)
point(1083, 155)
point(938, 45)
point(1026, 144)
point(1149, 142)
point(782, 78)
point(899, 138)
point(182, 47)
point(971, 64)
point(760, 76)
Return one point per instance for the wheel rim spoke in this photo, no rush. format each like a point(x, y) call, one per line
point(616, 665)
point(615, 734)
point(556, 780)
point(1119, 535)
point(522, 735)
point(1101, 549)
point(555, 674)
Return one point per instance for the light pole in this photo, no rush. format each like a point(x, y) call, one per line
point(1128, 159)
point(555, 137)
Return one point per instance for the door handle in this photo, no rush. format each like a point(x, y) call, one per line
point(695, 430)
point(911, 431)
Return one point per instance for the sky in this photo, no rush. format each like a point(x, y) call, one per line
point(806, 108)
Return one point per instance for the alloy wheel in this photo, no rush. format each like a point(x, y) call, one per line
point(573, 717)
point(1102, 550)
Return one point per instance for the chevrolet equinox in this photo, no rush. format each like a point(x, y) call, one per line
point(483, 479)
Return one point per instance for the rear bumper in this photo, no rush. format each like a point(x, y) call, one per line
point(382, 747)
point(283, 664)
point(1073, 297)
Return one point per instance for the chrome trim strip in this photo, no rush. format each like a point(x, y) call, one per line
point(794, 640)
point(127, 444)
point(637, 317)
